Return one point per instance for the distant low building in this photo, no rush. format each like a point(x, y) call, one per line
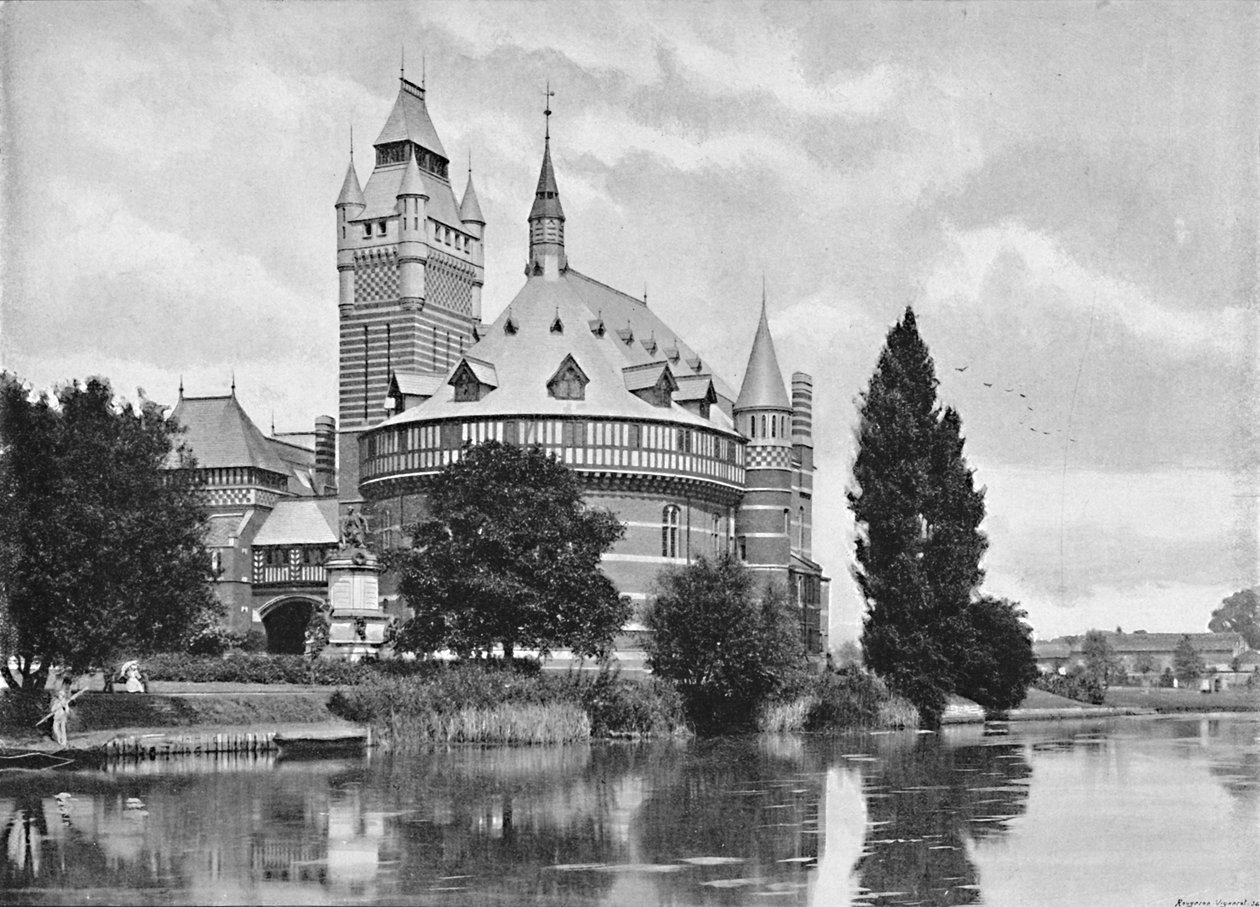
point(1142, 652)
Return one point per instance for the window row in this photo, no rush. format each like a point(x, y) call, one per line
point(765, 425)
point(566, 433)
point(671, 518)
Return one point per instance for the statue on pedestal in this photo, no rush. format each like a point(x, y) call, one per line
point(354, 531)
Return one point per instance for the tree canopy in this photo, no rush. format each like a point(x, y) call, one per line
point(1101, 666)
point(726, 643)
point(919, 542)
point(101, 551)
point(1187, 662)
point(1239, 613)
point(509, 556)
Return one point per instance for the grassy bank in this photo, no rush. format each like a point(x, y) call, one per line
point(844, 700)
point(479, 703)
point(1167, 700)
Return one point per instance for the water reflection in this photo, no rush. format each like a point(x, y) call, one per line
point(965, 817)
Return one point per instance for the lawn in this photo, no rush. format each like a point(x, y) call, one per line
point(1167, 700)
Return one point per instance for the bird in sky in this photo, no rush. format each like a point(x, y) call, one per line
point(988, 383)
point(1025, 396)
point(962, 369)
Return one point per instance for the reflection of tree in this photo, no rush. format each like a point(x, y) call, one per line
point(736, 798)
point(1232, 759)
point(925, 803)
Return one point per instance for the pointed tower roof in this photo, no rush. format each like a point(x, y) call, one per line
point(763, 380)
point(409, 120)
point(470, 208)
point(221, 435)
point(351, 191)
point(547, 195)
point(412, 182)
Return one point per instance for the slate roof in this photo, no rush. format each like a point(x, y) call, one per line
point(415, 384)
point(763, 379)
point(1155, 642)
point(300, 521)
point(546, 196)
point(351, 191)
point(221, 435)
point(523, 361)
point(412, 182)
point(470, 208)
point(381, 196)
point(410, 120)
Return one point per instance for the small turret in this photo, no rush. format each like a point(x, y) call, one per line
point(762, 413)
point(350, 204)
point(413, 251)
point(475, 224)
point(546, 217)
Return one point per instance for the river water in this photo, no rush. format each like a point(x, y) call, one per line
point(1125, 811)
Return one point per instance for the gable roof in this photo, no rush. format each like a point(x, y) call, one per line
point(221, 435)
point(300, 521)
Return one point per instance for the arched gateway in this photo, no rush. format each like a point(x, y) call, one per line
point(285, 618)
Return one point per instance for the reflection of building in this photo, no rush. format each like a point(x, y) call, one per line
point(589, 373)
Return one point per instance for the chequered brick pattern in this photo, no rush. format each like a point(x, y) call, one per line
point(218, 497)
point(759, 457)
point(448, 283)
point(375, 276)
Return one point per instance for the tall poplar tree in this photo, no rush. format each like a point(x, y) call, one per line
point(919, 541)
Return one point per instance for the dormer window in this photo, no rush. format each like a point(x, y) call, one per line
point(651, 382)
point(557, 326)
point(569, 381)
point(510, 326)
point(473, 379)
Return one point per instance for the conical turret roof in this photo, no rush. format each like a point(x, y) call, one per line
point(763, 380)
point(412, 182)
point(409, 120)
point(547, 196)
point(351, 191)
point(470, 208)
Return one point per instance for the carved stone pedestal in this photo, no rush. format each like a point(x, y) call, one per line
point(357, 623)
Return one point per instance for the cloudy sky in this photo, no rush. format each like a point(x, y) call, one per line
point(1065, 193)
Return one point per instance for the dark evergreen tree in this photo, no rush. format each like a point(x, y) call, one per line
point(727, 644)
point(101, 553)
point(1187, 662)
point(919, 543)
point(1000, 664)
point(510, 557)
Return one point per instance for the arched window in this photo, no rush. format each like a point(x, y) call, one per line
point(669, 531)
point(787, 523)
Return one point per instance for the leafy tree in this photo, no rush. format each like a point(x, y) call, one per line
point(727, 644)
point(101, 551)
point(1239, 613)
point(1187, 662)
point(1144, 663)
point(1100, 662)
point(509, 557)
point(1001, 664)
point(919, 543)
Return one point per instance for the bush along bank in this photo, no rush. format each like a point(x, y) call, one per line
point(848, 699)
point(490, 703)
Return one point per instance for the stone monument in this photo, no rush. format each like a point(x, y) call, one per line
point(357, 623)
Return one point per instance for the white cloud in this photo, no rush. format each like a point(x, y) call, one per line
point(960, 274)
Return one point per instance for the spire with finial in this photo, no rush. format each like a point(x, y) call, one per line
point(546, 217)
point(402, 61)
point(233, 382)
point(763, 380)
point(470, 208)
point(181, 387)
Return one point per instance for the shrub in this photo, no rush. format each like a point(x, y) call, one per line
point(620, 707)
point(1081, 686)
point(850, 698)
point(251, 667)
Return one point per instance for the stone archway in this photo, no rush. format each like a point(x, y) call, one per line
point(285, 621)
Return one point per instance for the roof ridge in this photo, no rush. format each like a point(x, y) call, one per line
point(607, 286)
